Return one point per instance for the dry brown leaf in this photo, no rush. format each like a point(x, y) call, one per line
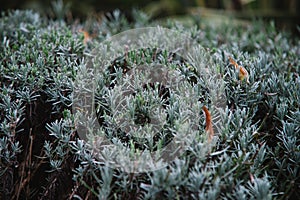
point(86, 36)
point(243, 73)
point(208, 124)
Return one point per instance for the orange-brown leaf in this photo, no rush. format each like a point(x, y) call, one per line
point(208, 124)
point(243, 73)
point(86, 36)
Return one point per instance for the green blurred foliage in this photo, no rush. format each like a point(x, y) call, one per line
point(284, 13)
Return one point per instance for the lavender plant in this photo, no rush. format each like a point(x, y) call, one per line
point(256, 148)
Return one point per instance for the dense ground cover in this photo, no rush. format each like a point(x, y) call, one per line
point(257, 150)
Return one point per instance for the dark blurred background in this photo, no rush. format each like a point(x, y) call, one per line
point(285, 13)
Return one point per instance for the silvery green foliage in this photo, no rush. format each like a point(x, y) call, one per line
point(256, 153)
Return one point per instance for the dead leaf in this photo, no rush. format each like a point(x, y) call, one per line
point(243, 73)
point(208, 124)
point(86, 36)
